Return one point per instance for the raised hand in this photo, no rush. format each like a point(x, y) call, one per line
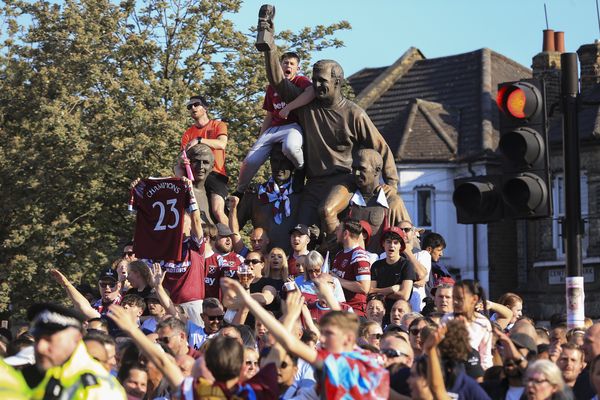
point(293, 303)
point(158, 275)
point(235, 286)
point(59, 277)
point(122, 318)
point(435, 338)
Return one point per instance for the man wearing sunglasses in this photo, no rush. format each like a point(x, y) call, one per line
point(212, 133)
point(172, 332)
point(212, 317)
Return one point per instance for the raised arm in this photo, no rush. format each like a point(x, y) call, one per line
point(196, 226)
point(234, 223)
point(503, 313)
point(290, 342)
point(79, 301)
point(158, 275)
point(435, 378)
point(154, 353)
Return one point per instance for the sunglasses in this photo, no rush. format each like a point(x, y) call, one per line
point(214, 317)
point(406, 229)
point(190, 106)
point(128, 253)
point(164, 339)
point(393, 353)
point(415, 331)
point(376, 335)
point(106, 284)
point(314, 271)
point(283, 365)
point(249, 363)
point(253, 261)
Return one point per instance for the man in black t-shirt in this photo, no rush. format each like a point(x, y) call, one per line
point(393, 276)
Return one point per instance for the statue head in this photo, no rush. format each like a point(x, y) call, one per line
point(202, 161)
point(366, 168)
point(281, 167)
point(328, 78)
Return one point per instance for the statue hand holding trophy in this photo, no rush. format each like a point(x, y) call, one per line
point(264, 38)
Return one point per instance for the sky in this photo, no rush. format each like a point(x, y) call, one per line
point(382, 30)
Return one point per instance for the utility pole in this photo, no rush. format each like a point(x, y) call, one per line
point(572, 225)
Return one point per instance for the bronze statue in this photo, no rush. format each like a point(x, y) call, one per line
point(201, 160)
point(335, 128)
point(274, 205)
point(264, 38)
point(370, 202)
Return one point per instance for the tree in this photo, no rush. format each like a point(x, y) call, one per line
point(92, 95)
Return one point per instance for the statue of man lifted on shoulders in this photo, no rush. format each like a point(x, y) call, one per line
point(334, 127)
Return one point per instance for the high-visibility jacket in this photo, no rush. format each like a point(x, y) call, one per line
point(12, 384)
point(79, 378)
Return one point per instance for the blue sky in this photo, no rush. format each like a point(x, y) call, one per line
point(383, 29)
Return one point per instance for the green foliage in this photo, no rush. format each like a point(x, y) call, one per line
point(92, 95)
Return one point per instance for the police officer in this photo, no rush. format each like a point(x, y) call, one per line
point(63, 368)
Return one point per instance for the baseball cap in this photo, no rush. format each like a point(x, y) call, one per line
point(366, 227)
point(198, 99)
point(524, 341)
point(49, 318)
point(397, 231)
point(444, 280)
point(303, 229)
point(223, 230)
point(108, 273)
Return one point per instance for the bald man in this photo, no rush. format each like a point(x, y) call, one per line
point(369, 202)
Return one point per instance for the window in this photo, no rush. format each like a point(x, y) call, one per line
point(558, 211)
point(425, 207)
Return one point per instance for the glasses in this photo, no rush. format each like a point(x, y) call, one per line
point(284, 365)
point(536, 381)
point(393, 353)
point(376, 335)
point(165, 339)
point(190, 106)
point(415, 331)
point(214, 317)
point(107, 284)
point(406, 229)
point(253, 261)
point(314, 271)
point(128, 253)
point(250, 362)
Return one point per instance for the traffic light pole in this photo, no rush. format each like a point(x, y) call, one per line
point(572, 224)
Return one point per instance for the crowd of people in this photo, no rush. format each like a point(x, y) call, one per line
point(358, 306)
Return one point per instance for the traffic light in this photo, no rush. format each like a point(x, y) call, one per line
point(524, 150)
point(522, 190)
point(478, 199)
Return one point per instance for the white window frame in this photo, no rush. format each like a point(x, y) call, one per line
point(558, 201)
point(431, 190)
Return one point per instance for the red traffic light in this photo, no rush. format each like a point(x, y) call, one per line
point(519, 100)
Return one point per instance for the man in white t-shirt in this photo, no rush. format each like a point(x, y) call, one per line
point(420, 260)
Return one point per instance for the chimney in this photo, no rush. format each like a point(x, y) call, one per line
point(589, 65)
point(546, 64)
point(559, 42)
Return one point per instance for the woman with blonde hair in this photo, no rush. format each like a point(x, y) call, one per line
point(544, 381)
point(140, 278)
point(121, 266)
point(276, 266)
point(515, 303)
